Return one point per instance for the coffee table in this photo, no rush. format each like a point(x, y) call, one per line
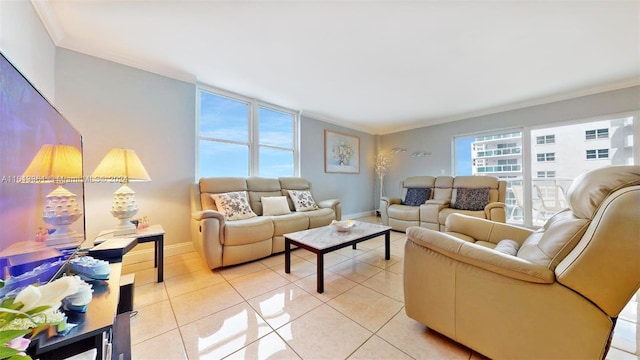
point(326, 239)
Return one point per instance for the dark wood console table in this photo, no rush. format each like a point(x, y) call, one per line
point(94, 326)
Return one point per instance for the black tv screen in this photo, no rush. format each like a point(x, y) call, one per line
point(27, 121)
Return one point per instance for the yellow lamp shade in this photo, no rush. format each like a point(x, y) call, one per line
point(120, 165)
point(55, 164)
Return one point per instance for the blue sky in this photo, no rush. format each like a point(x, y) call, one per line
point(463, 155)
point(227, 119)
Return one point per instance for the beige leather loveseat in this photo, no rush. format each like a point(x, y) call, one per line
point(513, 293)
point(438, 197)
point(223, 242)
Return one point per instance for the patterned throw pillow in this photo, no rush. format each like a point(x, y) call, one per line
point(302, 200)
point(471, 198)
point(417, 196)
point(234, 205)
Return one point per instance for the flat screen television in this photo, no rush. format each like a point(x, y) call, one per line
point(28, 121)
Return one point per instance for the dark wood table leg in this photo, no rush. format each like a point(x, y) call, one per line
point(387, 245)
point(320, 272)
point(287, 256)
point(160, 257)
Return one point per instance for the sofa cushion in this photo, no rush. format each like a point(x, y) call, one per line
point(274, 205)
point(404, 212)
point(248, 231)
point(417, 196)
point(507, 246)
point(548, 245)
point(320, 217)
point(233, 205)
point(474, 199)
point(284, 224)
point(302, 200)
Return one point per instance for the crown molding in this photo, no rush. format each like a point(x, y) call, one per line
point(518, 105)
point(48, 18)
point(341, 123)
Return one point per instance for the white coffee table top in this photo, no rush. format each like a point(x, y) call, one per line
point(327, 236)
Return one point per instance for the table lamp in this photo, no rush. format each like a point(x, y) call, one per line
point(58, 164)
point(123, 166)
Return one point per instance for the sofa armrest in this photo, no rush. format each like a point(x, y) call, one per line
point(496, 211)
point(430, 213)
point(207, 214)
point(390, 200)
point(385, 202)
point(334, 204)
point(480, 256)
point(207, 236)
point(485, 230)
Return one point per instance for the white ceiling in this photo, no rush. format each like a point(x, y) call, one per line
point(379, 67)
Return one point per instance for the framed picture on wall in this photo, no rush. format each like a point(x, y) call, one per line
point(341, 153)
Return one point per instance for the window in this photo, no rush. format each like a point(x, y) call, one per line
point(597, 154)
point(545, 157)
point(242, 137)
point(545, 139)
point(597, 134)
point(546, 174)
point(540, 177)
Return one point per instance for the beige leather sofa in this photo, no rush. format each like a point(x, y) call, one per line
point(223, 242)
point(513, 293)
point(445, 197)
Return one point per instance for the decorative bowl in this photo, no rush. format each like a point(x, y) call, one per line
point(343, 226)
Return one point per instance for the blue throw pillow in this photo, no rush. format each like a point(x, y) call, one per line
point(417, 196)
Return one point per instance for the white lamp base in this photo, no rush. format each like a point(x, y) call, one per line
point(61, 211)
point(124, 208)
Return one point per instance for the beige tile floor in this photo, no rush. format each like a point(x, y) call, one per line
point(256, 311)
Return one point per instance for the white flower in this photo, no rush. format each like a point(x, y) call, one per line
point(50, 294)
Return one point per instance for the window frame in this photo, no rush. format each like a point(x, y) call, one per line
point(528, 149)
point(253, 123)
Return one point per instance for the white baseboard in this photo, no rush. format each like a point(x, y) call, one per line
point(137, 256)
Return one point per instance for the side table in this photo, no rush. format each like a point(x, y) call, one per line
point(153, 233)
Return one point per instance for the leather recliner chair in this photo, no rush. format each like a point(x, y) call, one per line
point(511, 292)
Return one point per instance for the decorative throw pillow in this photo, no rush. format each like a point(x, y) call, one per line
point(471, 198)
point(417, 196)
point(234, 205)
point(274, 205)
point(302, 200)
point(507, 246)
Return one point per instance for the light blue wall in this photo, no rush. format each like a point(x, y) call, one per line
point(118, 106)
point(437, 139)
point(356, 191)
point(26, 43)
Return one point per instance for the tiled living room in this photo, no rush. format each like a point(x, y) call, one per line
point(422, 82)
point(256, 311)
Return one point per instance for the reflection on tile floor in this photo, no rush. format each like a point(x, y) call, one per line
point(256, 311)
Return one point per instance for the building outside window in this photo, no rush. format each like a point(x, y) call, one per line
point(597, 134)
point(598, 154)
point(545, 139)
point(553, 166)
point(239, 136)
point(544, 157)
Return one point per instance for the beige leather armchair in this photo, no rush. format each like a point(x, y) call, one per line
point(510, 292)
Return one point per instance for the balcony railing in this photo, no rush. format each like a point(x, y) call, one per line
point(499, 152)
point(548, 196)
